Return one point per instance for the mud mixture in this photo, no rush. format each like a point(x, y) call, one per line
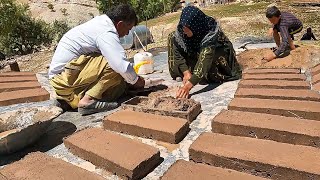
point(168, 104)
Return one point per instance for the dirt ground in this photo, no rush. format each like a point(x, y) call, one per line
point(36, 62)
point(306, 1)
point(303, 57)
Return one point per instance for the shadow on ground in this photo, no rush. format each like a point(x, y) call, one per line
point(52, 138)
point(209, 87)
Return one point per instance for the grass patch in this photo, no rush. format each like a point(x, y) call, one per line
point(166, 19)
point(236, 9)
point(218, 11)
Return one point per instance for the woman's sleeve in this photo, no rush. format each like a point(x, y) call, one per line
point(175, 58)
point(203, 65)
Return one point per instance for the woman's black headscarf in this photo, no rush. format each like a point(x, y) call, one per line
point(200, 25)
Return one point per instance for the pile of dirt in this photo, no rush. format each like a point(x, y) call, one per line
point(303, 57)
point(168, 104)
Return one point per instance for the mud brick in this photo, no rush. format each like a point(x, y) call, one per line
point(315, 79)
point(285, 94)
point(272, 71)
point(41, 166)
point(316, 87)
point(15, 74)
point(17, 79)
point(315, 70)
point(183, 170)
point(6, 87)
point(289, 108)
point(163, 128)
point(265, 126)
point(288, 77)
point(256, 156)
point(125, 157)
point(276, 84)
point(23, 96)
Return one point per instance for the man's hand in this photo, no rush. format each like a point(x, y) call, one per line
point(269, 57)
point(139, 84)
point(184, 91)
point(152, 82)
point(186, 76)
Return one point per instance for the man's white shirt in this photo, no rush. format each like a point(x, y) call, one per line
point(98, 35)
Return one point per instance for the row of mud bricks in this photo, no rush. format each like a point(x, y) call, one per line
point(21, 87)
point(271, 130)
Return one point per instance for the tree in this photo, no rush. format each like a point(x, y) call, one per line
point(8, 15)
point(20, 33)
point(145, 9)
point(104, 5)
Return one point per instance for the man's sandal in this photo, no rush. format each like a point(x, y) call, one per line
point(96, 107)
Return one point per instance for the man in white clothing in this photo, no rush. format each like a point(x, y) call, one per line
point(90, 64)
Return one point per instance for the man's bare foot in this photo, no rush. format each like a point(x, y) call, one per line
point(86, 100)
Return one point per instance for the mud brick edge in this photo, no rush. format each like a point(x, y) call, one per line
point(137, 173)
point(147, 133)
point(265, 133)
point(250, 167)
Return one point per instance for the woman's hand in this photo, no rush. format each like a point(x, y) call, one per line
point(184, 91)
point(186, 76)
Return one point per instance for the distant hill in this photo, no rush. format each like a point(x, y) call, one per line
point(72, 11)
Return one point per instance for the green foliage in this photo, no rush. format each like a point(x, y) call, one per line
point(145, 9)
point(64, 11)
point(22, 34)
point(59, 28)
point(104, 5)
point(8, 15)
point(27, 35)
point(91, 15)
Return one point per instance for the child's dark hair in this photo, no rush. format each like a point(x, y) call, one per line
point(273, 11)
point(309, 29)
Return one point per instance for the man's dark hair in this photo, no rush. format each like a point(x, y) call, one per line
point(309, 29)
point(273, 11)
point(122, 12)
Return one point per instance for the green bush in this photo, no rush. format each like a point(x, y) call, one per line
point(64, 11)
point(22, 34)
point(91, 15)
point(59, 28)
point(26, 36)
point(145, 9)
